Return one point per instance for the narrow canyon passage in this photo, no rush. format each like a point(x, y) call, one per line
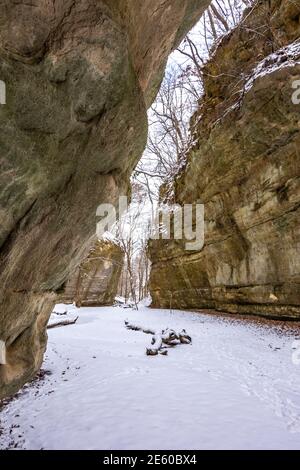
point(235, 387)
point(150, 172)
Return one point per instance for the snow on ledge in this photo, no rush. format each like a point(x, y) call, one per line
point(288, 56)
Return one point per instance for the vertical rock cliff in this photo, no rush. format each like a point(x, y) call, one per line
point(245, 169)
point(79, 76)
point(95, 281)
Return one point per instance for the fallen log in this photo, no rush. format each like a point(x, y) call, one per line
point(62, 323)
point(161, 340)
point(130, 326)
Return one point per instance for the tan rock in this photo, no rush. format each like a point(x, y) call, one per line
point(245, 168)
point(95, 281)
point(79, 75)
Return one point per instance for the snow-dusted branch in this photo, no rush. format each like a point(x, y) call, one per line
point(62, 323)
point(161, 340)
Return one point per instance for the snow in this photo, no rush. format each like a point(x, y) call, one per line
point(288, 56)
point(60, 309)
point(111, 238)
point(62, 313)
point(234, 387)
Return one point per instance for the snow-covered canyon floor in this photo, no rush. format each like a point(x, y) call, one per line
point(235, 387)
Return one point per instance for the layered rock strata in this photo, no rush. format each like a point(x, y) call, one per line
point(245, 169)
point(95, 281)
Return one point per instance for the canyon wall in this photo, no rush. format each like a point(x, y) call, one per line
point(245, 168)
point(95, 281)
point(79, 77)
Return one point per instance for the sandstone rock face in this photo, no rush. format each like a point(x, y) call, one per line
point(79, 76)
point(95, 281)
point(245, 168)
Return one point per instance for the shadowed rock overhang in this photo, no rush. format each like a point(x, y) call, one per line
point(79, 77)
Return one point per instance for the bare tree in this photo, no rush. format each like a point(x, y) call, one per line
point(132, 233)
point(171, 135)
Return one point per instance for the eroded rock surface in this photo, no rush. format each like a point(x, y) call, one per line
point(245, 168)
point(95, 281)
point(79, 76)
